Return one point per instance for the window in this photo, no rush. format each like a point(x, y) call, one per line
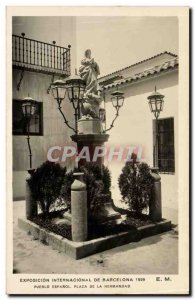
point(19, 126)
point(166, 153)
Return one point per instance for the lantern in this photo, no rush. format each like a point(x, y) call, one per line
point(58, 90)
point(117, 99)
point(75, 88)
point(156, 103)
point(29, 107)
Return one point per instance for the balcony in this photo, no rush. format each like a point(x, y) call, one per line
point(33, 55)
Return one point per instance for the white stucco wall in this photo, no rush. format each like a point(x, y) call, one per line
point(34, 84)
point(134, 128)
point(54, 130)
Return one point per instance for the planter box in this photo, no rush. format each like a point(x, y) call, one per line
point(79, 250)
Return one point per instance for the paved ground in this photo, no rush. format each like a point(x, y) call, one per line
point(153, 255)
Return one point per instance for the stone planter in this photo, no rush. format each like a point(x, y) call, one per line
point(31, 203)
point(78, 250)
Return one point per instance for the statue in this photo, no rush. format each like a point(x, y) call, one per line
point(89, 72)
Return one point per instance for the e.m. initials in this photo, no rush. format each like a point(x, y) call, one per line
point(166, 278)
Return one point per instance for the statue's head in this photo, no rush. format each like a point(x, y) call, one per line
point(88, 53)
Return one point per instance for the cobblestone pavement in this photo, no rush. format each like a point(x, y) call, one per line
point(154, 255)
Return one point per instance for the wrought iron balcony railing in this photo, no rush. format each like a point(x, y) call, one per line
point(36, 53)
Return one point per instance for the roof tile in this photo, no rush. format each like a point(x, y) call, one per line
point(115, 72)
point(156, 69)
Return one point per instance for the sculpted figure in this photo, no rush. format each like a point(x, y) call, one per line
point(89, 72)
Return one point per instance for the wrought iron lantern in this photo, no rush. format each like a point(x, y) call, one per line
point(156, 103)
point(29, 107)
point(117, 102)
point(58, 90)
point(117, 99)
point(75, 87)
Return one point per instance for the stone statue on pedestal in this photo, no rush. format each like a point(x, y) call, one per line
point(89, 72)
point(91, 134)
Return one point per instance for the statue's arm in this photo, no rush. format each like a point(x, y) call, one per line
point(96, 68)
point(86, 62)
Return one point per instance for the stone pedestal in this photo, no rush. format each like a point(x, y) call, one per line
point(90, 135)
point(79, 209)
point(88, 125)
point(155, 207)
point(90, 140)
point(31, 203)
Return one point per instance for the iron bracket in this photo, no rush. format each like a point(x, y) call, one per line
point(20, 81)
point(52, 80)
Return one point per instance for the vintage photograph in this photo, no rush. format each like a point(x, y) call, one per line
point(96, 167)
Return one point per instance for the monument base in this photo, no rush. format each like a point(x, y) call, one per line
point(91, 141)
point(78, 250)
point(88, 125)
point(92, 138)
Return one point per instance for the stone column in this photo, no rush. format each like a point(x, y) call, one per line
point(31, 203)
point(79, 209)
point(90, 135)
point(155, 207)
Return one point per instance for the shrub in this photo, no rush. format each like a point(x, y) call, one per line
point(93, 184)
point(106, 178)
point(98, 182)
point(135, 183)
point(65, 193)
point(45, 184)
point(51, 182)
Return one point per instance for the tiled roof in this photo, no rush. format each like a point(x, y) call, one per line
point(171, 64)
point(159, 54)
